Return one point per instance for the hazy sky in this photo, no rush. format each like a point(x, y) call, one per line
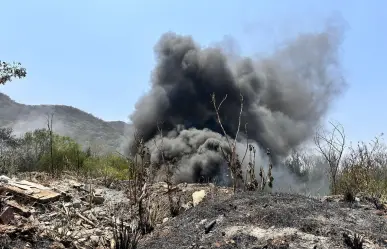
point(97, 55)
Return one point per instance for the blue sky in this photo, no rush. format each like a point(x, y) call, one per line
point(97, 55)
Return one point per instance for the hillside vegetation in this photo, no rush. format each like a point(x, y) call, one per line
point(85, 128)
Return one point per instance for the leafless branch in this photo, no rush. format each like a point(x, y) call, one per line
point(331, 145)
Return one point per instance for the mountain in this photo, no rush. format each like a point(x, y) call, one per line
point(85, 128)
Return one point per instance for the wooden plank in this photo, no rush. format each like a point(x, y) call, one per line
point(34, 185)
point(18, 208)
point(6, 216)
point(34, 191)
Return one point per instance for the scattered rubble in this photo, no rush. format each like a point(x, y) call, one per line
point(80, 215)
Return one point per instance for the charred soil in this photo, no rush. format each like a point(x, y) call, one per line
point(257, 220)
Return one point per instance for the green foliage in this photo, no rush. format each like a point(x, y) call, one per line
point(108, 166)
point(32, 152)
point(9, 71)
point(67, 155)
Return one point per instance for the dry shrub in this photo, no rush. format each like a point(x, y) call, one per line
point(364, 170)
point(124, 237)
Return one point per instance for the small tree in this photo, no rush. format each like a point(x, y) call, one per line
point(8, 142)
point(174, 205)
point(49, 127)
point(331, 144)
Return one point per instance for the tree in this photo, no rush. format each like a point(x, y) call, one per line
point(7, 139)
point(9, 71)
point(8, 143)
point(49, 127)
point(331, 144)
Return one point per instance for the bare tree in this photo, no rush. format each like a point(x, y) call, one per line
point(235, 166)
point(331, 144)
point(50, 118)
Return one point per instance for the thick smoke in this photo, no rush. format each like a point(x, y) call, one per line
point(285, 96)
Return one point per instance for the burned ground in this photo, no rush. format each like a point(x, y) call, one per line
point(253, 220)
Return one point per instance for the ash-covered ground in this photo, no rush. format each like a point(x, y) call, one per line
point(256, 220)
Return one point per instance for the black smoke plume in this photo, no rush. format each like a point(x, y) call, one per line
point(285, 96)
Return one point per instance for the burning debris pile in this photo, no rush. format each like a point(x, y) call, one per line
point(285, 96)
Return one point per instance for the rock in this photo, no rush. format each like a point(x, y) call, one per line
point(77, 203)
point(57, 245)
point(4, 179)
point(99, 191)
point(209, 226)
point(203, 221)
point(67, 205)
point(165, 219)
point(94, 239)
point(76, 185)
point(98, 199)
point(332, 198)
point(198, 197)
point(187, 206)
point(82, 240)
point(87, 188)
point(98, 232)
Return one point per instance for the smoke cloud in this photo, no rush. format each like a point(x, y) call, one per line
point(285, 96)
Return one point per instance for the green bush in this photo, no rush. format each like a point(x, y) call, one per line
point(107, 166)
point(33, 152)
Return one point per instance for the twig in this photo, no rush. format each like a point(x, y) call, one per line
point(85, 219)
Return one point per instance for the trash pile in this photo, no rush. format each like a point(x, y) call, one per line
point(42, 212)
